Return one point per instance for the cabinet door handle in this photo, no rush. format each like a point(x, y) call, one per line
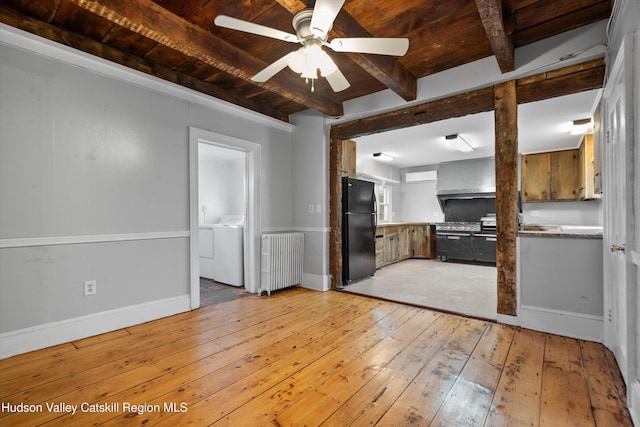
point(617, 248)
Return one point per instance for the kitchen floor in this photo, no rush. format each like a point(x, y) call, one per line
point(469, 289)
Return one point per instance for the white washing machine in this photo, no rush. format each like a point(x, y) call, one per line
point(228, 250)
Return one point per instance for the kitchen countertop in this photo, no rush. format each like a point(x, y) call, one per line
point(391, 224)
point(565, 231)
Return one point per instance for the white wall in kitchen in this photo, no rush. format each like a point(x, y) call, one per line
point(419, 202)
point(563, 213)
point(221, 182)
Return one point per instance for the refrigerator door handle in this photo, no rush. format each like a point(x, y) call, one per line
point(374, 223)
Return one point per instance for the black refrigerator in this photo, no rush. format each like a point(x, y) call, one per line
point(359, 220)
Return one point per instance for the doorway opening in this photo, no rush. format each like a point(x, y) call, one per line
point(224, 180)
point(222, 207)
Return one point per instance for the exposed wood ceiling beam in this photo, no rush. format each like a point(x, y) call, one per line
point(473, 102)
point(386, 69)
point(152, 21)
point(564, 81)
point(494, 26)
point(42, 29)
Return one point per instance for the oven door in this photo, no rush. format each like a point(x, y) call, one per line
point(454, 245)
point(484, 247)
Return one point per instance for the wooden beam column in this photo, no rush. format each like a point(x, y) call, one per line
point(506, 154)
point(335, 209)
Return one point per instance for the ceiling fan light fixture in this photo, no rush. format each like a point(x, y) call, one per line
point(296, 61)
point(312, 29)
point(459, 143)
point(326, 64)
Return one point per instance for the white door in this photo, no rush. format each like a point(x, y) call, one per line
point(633, 380)
point(620, 271)
point(615, 217)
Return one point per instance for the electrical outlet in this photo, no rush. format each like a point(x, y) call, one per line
point(310, 208)
point(90, 287)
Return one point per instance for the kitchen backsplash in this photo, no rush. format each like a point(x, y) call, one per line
point(563, 213)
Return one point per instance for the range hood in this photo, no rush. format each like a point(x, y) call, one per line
point(475, 178)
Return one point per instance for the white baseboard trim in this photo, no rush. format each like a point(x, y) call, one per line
point(50, 334)
point(634, 403)
point(316, 282)
point(569, 324)
point(508, 320)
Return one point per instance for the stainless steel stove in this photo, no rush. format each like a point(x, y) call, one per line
point(467, 241)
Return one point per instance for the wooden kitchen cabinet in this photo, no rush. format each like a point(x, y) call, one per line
point(391, 249)
point(536, 177)
point(587, 169)
point(349, 158)
point(397, 242)
point(597, 149)
point(379, 249)
point(551, 176)
point(565, 175)
point(422, 241)
point(404, 251)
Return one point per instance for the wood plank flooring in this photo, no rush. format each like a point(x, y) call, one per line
point(308, 358)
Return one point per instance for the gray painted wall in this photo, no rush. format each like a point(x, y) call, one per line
point(87, 153)
point(310, 183)
point(563, 274)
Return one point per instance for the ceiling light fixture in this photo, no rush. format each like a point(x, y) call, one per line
point(383, 156)
point(310, 59)
point(459, 143)
point(582, 127)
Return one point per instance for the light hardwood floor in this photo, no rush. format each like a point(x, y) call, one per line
point(308, 358)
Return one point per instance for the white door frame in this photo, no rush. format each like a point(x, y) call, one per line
point(252, 223)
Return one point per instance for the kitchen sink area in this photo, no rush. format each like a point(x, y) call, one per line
point(594, 231)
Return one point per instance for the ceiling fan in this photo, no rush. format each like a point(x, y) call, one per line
point(312, 30)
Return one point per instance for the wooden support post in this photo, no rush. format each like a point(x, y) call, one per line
point(335, 210)
point(506, 152)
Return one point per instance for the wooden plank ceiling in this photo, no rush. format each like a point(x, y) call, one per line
point(178, 41)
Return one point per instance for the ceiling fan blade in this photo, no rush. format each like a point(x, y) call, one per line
point(375, 45)
point(249, 27)
point(273, 69)
point(324, 13)
point(337, 80)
